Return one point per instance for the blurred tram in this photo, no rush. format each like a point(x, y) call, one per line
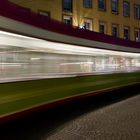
point(44, 63)
point(33, 46)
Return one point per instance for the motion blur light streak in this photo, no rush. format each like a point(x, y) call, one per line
point(23, 41)
point(22, 56)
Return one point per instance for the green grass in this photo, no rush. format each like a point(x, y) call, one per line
point(22, 95)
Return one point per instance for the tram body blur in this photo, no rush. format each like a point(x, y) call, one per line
point(44, 62)
point(33, 46)
point(24, 57)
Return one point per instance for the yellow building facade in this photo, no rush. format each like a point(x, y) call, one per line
point(119, 18)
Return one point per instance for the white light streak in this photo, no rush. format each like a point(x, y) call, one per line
point(11, 39)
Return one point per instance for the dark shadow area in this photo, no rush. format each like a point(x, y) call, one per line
point(42, 124)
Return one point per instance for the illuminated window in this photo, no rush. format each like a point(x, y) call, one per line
point(126, 32)
point(102, 27)
point(88, 24)
point(87, 3)
point(115, 30)
point(67, 5)
point(137, 11)
point(67, 19)
point(44, 13)
point(114, 6)
point(102, 4)
point(137, 34)
point(126, 8)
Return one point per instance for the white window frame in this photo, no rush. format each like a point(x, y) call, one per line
point(137, 38)
point(116, 4)
point(126, 12)
point(126, 28)
point(67, 17)
point(117, 27)
point(90, 22)
point(87, 3)
point(104, 24)
point(137, 14)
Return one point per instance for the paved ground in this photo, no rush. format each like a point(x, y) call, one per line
point(100, 118)
point(119, 121)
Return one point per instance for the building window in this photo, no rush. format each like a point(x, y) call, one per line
point(102, 27)
point(44, 13)
point(87, 3)
point(102, 4)
point(88, 24)
point(67, 19)
point(115, 30)
point(137, 34)
point(137, 11)
point(126, 8)
point(126, 33)
point(114, 6)
point(67, 5)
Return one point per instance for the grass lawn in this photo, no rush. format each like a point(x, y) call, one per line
point(18, 96)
